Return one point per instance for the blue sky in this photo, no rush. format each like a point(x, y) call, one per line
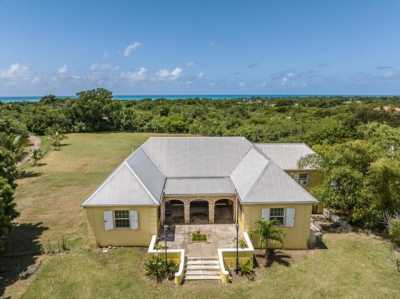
point(200, 47)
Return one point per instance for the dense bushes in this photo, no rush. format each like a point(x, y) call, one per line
point(361, 176)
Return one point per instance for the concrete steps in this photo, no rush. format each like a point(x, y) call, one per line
point(199, 268)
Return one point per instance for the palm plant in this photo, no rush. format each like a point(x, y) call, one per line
point(268, 232)
point(14, 143)
point(56, 136)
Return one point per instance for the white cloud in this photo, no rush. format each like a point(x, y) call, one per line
point(63, 74)
point(15, 72)
point(36, 80)
point(139, 75)
point(165, 74)
point(190, 64)
point(103, 67)
point(131, 48)
point(63, 70)
point(200, 75)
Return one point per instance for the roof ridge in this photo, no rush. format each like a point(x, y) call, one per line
point(141, 182)
point(144, 151)
point(197, 177)
point(286, 143)
point(259, 177)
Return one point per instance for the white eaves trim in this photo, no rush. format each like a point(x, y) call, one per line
point(85, 203)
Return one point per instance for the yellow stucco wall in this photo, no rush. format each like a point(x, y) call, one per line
point(148, 225)
point(314, 176)
point(230, 259)
point(296, 237)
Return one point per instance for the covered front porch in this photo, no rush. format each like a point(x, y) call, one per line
point(199, 210)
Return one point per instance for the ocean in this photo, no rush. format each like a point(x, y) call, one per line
point(154, 97)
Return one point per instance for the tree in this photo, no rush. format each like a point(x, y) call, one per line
point(56, 136)
point(7, 210)
point(13, 137)
point(268, 231)
point(48, 99)
point(381, 198)
point(361, 178)
point(8, 168)
point(96, 109)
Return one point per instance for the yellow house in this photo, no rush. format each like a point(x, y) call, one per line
point(202, 180)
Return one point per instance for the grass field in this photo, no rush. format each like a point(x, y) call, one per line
point(353, 266)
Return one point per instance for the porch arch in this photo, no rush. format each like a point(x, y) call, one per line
point(174, 212)
point(199, 211)
point(224, 211)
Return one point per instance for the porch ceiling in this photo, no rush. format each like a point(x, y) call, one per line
point(211, 185)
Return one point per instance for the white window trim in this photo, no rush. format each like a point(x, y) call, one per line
point(306, 181)
point(284, 216)
point(115, 222)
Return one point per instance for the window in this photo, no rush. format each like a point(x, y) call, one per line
point(277, 215)
point(302, 179)
point(121, 218)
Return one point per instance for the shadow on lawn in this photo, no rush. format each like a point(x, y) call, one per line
point(28, 174)
point(22, 251)
point(274, 256)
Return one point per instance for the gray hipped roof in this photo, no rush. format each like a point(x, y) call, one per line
point(185, 186)
point(148, 172)
point(204, 166)
point(286, 155)
point(196, 156)
point(259, 180)
point(121, 188)
point(276, 186)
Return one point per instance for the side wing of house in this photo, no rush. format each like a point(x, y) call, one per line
point(124, 211)
point(268, 192)
point(287, 156)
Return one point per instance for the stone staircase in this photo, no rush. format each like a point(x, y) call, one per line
point(202, 268)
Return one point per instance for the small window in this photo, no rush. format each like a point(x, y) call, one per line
point(121, 218)
point(277, 215)
point(302, 179)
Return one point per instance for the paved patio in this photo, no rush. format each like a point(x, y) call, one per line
point(218, 236)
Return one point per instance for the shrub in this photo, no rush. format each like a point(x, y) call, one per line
point(36, 156)
point(246, 269)
point(242, 243)
point(156, 267)
point(394, 231)
point(199, 237)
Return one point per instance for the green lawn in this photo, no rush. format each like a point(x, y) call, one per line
point(353, 266)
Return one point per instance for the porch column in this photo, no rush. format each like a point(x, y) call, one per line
point(162, 212)
point(186, 211)
point(211, 211)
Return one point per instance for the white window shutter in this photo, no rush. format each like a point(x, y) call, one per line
point(108, 220)
point(133, 219)
point(290, 215)
point(265, 213)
